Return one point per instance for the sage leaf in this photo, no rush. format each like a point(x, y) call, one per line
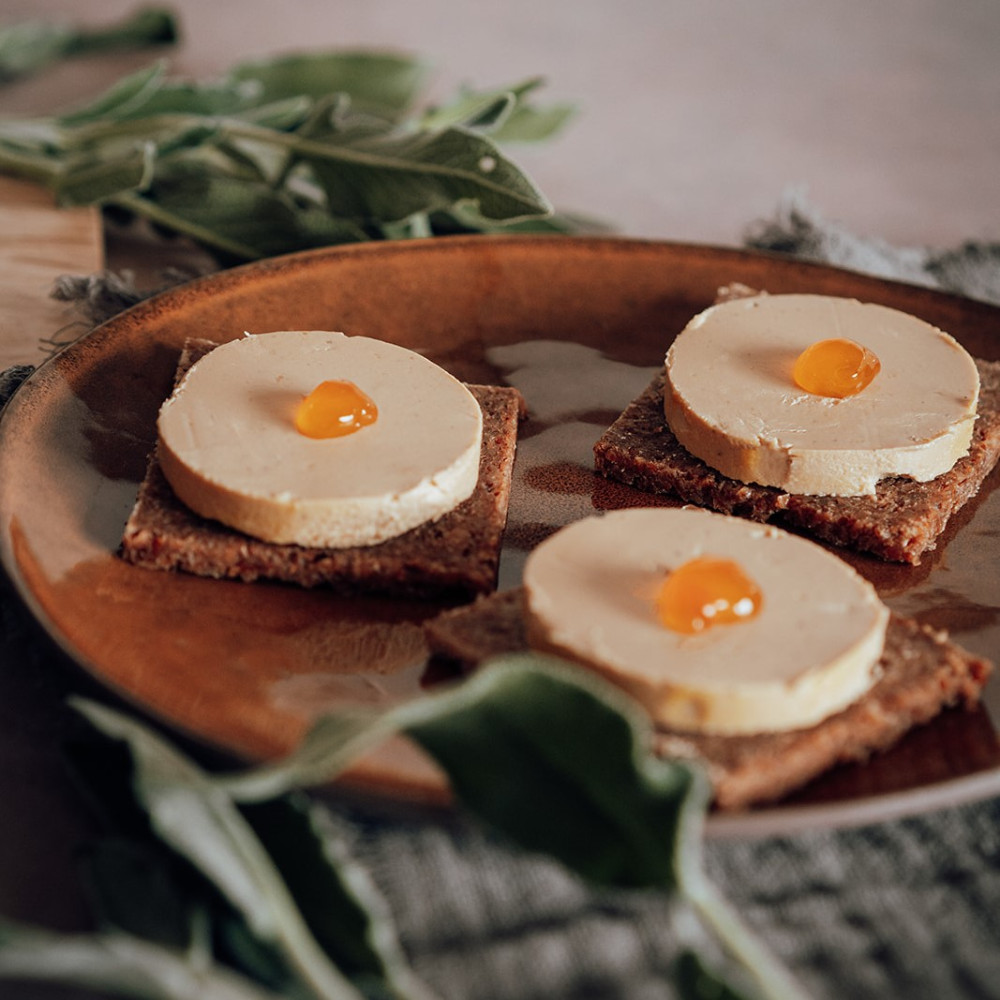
point(33, 166)
point(463, 217)
point(137, 885)
point(200, 822)
point(344, 910)
point(396, 175)
point(283, 115)
point(146, 26)
point(145, 890)
point(318, 148)
point(239, 219)
point(696, 981)
point(40, 135)
point(89, 183)
point(555, 758)
point(118, 964)
point(28, 46)
point(527, 123)
point(126, 97)
point(504, 114)
point(137, 891)
point(385, 84)
point(328, 748)
point(181, 98)
point(559, 761)
point(485, 111)
point(564, 767)
point(305, 910)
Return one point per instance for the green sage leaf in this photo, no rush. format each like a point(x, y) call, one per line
point(463, 217)
point(184, 98)
point(290, 880)
point(147, 26)
point(90, 183)
point(119, 964)
point(393, 176)
point(473, 110)
point(243, 219)
point(378, 82)
point(504, 114)
point(291, 153)
point(344, 911)
point(532, 124)
point(42, 136)
point(33, 166)
point(559, 761)
point(554, 757)
point(137, 891)
point(565, 767)
point(29, 46)
point(200, 822)
point(126, 97)
point(696, 981)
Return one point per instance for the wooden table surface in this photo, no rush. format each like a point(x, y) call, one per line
point(38, 243)
point(694, 119)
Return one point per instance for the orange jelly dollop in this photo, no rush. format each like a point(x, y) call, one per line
point(838, 368)
point(333, 409)
point(707, 591)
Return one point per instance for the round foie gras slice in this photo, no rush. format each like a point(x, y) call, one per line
point(811, 649)
point(231, 450)
point(731, 398)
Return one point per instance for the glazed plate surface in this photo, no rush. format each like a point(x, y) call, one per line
point(578, 325)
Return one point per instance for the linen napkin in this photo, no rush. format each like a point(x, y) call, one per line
point(903, 908)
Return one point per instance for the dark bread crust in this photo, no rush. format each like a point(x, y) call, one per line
point(454, 557)
point(922, 673)
point(901, 522)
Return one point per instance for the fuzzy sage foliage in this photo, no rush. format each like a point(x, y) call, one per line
point(27, 47)
point(294, 152)
point(238, 886)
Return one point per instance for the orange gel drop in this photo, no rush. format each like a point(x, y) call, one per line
point(837, 368)
point(704, 592)
point(333, 409)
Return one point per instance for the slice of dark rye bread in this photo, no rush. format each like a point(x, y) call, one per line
point(454, 557)
point(901, 522)
point(922, 673)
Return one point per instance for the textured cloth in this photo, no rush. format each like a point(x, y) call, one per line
point(904, 908)
point(972, 269)
point(907, 908)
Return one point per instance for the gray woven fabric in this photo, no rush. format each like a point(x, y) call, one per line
point(798, 229)
point(909, 908)
point(906, 908)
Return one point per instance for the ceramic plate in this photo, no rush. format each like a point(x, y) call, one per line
point(578, 325)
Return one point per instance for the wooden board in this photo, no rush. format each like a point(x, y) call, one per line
point(38, 243)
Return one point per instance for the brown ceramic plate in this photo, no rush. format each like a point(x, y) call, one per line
point(578, 325)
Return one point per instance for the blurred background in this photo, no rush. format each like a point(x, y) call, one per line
point(693, 117)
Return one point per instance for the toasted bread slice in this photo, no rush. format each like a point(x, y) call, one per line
point(900, 523)
point(922, 673)
point(454, 557)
